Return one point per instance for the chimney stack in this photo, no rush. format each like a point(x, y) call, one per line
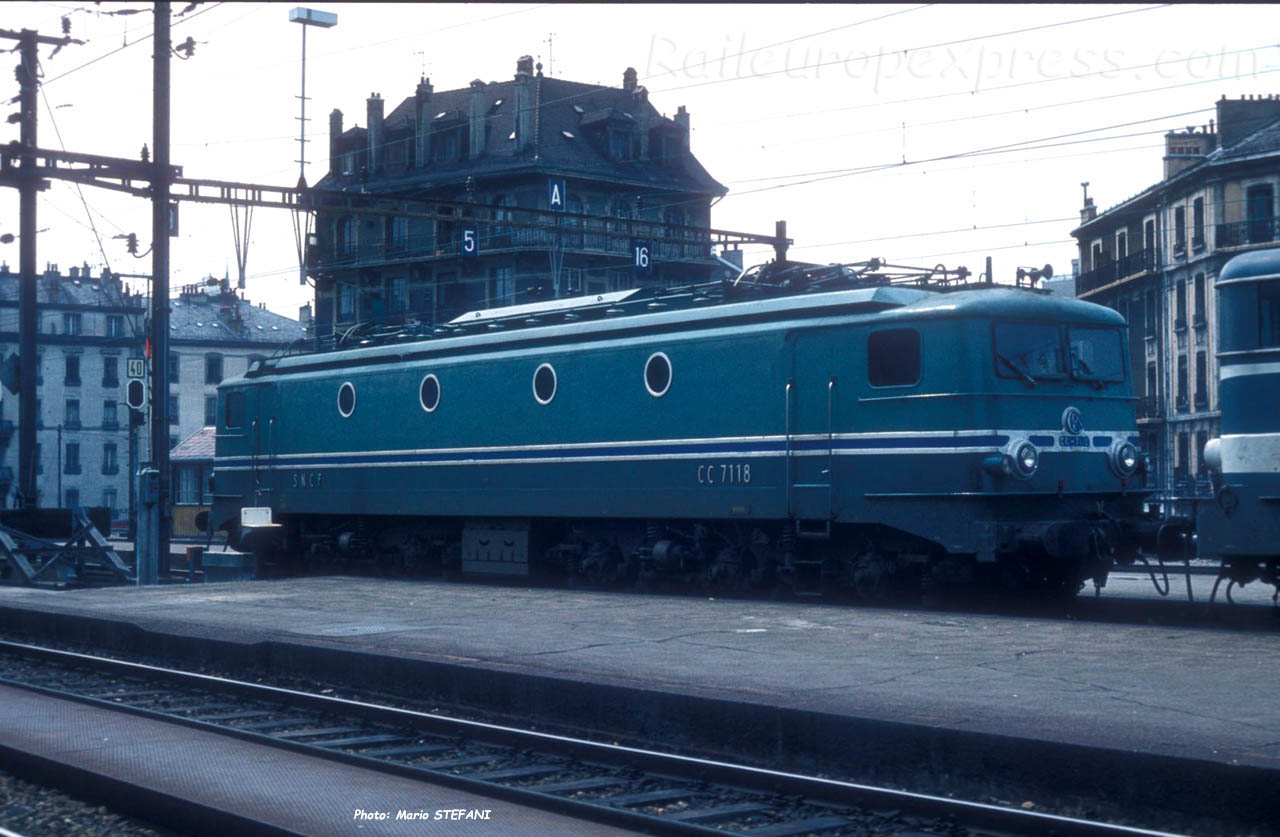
point(523, 103)
point(335, 138)
point(477, 119)
point(1238, 118)
point(422, 121)
point(641, 112)
point(375, 133)
point(682, 119)
point(629, 79)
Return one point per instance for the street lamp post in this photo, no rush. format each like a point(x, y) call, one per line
point(325, 20)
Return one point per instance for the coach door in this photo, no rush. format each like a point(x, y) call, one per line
point(812, 401)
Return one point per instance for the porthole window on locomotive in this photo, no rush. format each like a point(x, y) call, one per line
point(544, 384)
point(346, 399)
point(657, 374)
point(893, 357)
point(429, 393)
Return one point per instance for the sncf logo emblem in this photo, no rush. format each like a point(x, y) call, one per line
point(1072, 421)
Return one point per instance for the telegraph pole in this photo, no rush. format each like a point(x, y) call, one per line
point(160, 222)
point(27, 289)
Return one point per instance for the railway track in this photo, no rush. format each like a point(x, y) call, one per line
point(638, 789)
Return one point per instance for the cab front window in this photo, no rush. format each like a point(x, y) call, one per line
point(1096, 354)
point(1030, 351)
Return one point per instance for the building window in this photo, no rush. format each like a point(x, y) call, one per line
point(1180, 305)
point(397, 295)
point(213, 368)
point(501, 287)
point(1182, 384)
point(1122, 244)
point(71, 324)
point(1260, 206)
point(620, 145)
point(109, 499)
point(1097, 256)
point(397, 232)
point(349, 162)
point(73, 497)
point(1197, 223)
point(173, 409)
point(110, 415)
point(893, 357)
point(1181, 465)
point(1149, 235)
point(346, 302)
point(444, 146)
point(1202, 439)
point(1179, 229)
point(1150, 324)
point(173, 367)
point(348, 237)
point(71, 419)
point(1202, 380)
point(110, 371)
point(115, 325)
point(72, 377)
point(1151, 388)
point(210, 410)
point(1200, 314)
point(110, 464)
point(71, 458)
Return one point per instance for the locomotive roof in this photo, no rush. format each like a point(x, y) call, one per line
point(1257, 266)
point(681, 311)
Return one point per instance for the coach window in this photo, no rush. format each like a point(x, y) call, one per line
point(429, 393)
point(1269, 314)
point(893, 357)
point(234, 408)
point(544, 384)
point(346, 399)
point(657, 374)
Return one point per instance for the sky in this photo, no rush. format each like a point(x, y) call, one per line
point(920, 134)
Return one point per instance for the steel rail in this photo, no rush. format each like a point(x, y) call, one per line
point(738, 777)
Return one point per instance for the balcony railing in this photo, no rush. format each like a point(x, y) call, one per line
point(1243, 233)
point(1139, 261)
point(1149, 408)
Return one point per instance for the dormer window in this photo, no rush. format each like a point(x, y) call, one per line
point(349, 163)
point(620, 145)
point(444, 146)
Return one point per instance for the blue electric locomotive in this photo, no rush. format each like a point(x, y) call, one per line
point(805, 425)
point(1242, 524)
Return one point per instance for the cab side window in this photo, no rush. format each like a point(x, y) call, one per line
point(893, 357)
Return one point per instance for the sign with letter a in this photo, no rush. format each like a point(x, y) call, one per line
point(556, 194)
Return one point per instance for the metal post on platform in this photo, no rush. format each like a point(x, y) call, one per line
point(146, 560)
point(158, 537)
point(27, 325)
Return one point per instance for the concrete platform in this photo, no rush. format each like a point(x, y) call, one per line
point(787, 674)
point(244, 787)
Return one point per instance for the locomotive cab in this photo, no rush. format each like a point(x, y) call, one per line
point(1241, 524)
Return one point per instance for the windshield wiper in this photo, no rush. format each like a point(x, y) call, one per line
point(1016, 368)
point(1078, 362)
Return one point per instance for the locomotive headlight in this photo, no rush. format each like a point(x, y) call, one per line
point(1213, 455)
point(1022, 458)
point(1124, 459)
